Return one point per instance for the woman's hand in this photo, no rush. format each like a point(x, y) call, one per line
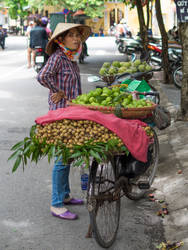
point(57, 97)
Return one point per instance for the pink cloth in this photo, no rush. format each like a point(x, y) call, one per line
point(130, 131)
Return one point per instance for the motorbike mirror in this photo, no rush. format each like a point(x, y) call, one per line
point(93, 79)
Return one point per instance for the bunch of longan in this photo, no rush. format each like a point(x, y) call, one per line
point(74, 132)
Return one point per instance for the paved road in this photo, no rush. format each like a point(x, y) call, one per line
point(25, 220)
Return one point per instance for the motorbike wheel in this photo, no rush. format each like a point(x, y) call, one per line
point(121, 48)
point(177, 77)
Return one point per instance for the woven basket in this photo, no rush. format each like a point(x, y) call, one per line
point(108, 79)
point(131, 113)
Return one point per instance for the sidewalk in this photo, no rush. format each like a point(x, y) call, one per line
point(171, 183)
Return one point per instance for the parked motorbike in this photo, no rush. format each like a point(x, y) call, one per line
point(128, 45)
point(175, 61)
point(133, 47)
point(40, 58)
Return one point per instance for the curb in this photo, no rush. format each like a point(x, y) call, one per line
point(169, 184)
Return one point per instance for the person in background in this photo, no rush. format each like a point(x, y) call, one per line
point(38, 37)
point(61, 76)
point(44, 24)
point(122, 29)
point(101, 33)
point(29, 50)
point(2, 37)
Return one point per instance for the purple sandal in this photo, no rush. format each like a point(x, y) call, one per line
point(74, 202)
point(67, 215)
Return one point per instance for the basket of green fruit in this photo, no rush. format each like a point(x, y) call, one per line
point(113, 100)
point(109, 71)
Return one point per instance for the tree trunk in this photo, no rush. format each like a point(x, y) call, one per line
point(148, 14)
point(167, 77)
point(143, 28)
point(183, 29)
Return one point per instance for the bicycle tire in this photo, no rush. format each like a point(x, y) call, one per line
point(177, 77)
point(135, 193)
point(104, 214)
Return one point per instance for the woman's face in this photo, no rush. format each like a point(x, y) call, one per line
point(72, 40)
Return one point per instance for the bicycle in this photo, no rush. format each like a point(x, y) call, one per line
point(109, 182)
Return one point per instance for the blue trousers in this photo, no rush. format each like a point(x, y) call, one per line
point(60, 183)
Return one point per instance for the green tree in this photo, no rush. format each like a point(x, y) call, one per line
point(17, 10)
point(92, 8)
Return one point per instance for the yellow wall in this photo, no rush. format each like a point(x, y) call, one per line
point(95, 24)
point(130, 15)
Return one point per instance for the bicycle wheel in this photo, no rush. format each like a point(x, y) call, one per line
point(177, 77)
point(104, 211)
point(135, 193)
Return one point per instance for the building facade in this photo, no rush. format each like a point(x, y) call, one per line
point(115, 11)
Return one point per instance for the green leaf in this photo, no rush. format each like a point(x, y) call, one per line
point(95, 155)
point(51, 153)
point(25, 160)
point(17, 145)
point(35, 155)
point(17, 163)
point(32, 131)
point(79, 162)
point(14, 155)
point(77, 154)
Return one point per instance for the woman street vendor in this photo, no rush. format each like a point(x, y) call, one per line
point(61, 76)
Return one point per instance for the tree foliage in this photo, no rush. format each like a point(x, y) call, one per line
point(16, 8)
point(92, 8)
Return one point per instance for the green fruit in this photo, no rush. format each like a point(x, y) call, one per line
point(148, 67)
point(115, 89)
point(106, 65)
point(116, 64)
point(141, 68)
point(134, 69)
point(122, 69)
point(92, 99)
point(137, 62)
point(108, 99)
point(103, 71)
point(126, 64)
point(104, 103)
point(115, 94)
point(94, 104)
point(112, 71)
point(129, 71)
point(106, 92)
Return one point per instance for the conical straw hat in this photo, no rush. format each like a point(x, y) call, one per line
point(61, 28)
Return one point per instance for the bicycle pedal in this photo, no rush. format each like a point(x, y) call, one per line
point(143, 185)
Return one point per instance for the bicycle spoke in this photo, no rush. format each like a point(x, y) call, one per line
point(105, 216)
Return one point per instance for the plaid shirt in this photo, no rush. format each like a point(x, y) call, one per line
point(60, 73)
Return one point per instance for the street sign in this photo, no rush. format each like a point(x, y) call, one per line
point(182, 10)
